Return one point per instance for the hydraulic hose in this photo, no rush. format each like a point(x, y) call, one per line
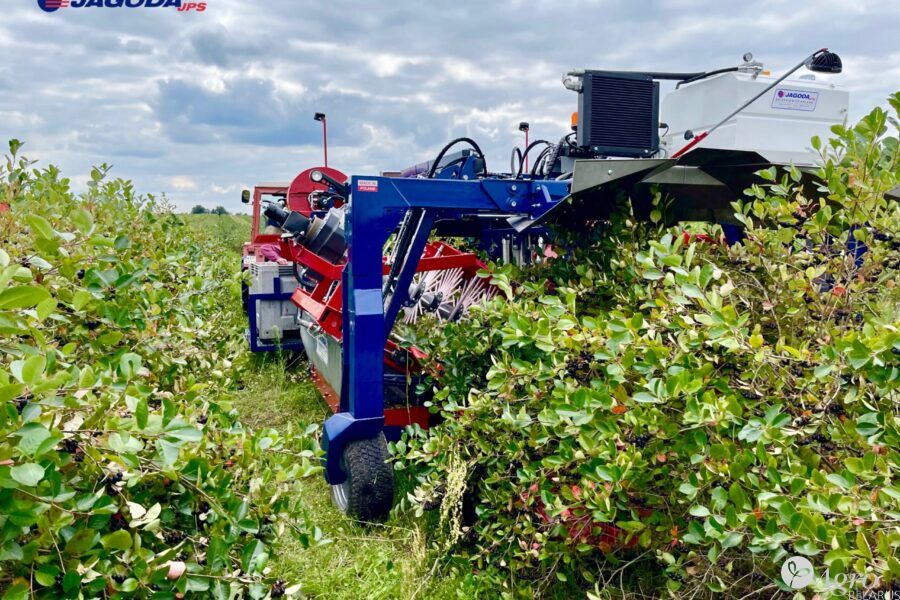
point(525, 155)
point(515, 155)
point(700, 76)
point(470, 141)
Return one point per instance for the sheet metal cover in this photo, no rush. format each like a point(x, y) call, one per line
point(591, 175)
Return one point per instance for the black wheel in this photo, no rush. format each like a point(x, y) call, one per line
point(368, 492)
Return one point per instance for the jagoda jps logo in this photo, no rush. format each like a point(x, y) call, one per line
point(798, 95)
point(54, 5)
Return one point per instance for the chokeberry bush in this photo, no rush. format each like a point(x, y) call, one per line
point(655, 414)
point(123, 470)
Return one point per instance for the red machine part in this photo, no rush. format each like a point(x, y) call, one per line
point(296, 196)
point(302, 186)
point(257, 239)
point(324, 302)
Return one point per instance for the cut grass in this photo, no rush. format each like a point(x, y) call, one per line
point(389, 560)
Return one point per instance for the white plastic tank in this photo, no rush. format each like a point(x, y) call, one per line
point(778, 126)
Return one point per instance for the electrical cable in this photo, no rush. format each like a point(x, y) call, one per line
point(469, 141)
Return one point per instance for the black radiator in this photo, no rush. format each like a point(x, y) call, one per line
point(618, 114)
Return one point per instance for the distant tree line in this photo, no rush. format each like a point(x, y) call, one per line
point(202, 210)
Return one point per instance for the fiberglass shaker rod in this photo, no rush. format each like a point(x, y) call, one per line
point(699, 138)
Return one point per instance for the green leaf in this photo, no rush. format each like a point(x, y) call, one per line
point(81, 298)
point(8, 392)
point(731, 540)
point(46, 308)
point(82, 541)
point(18, 591)
point(699, 511)
point(31, 436)
point(82, 220)
point(822, 371)
point(23, 296)
point(40, 226)
point(33, 369)
point(29, 474)
point(168, 452)
point(838, 480)
point(11, 551)
point(118, 540)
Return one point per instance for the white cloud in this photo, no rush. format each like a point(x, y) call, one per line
point(202, 105)
point(183, 183)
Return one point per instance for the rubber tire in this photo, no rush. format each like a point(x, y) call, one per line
point(368, 492)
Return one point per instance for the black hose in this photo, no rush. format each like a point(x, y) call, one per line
point(470, 141)
point(525, 154)
point(512, 159)
point(700, 76)
point(543, 155)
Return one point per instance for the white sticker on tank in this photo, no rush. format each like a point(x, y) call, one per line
point(322, 349)
point(786, 99)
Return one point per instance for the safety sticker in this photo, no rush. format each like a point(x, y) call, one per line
point(322, 349)
point(367, 185)
point(795, 100)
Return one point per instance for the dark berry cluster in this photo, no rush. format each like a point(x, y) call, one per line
point(836, 409)
point(816, 438)
point(278, 589)
point(117, 522)
point(174, 537)
point(110, 483)
point(579, 367)
point(640, 441)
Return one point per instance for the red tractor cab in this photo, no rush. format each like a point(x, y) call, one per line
point(266, 292)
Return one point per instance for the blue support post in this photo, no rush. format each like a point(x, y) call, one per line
point(376, 206)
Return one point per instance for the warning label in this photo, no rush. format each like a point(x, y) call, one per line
point(367, 185)
point(795, 100)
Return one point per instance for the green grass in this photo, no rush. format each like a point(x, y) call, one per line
point(389, 560)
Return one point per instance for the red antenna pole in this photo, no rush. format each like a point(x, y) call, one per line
point(321, 117)
point(325, 139)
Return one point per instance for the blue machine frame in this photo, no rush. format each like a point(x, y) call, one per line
point(377, 206)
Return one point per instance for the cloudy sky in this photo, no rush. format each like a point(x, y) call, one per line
point(199, 105)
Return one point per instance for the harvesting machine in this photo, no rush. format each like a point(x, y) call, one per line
point(361, 255)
